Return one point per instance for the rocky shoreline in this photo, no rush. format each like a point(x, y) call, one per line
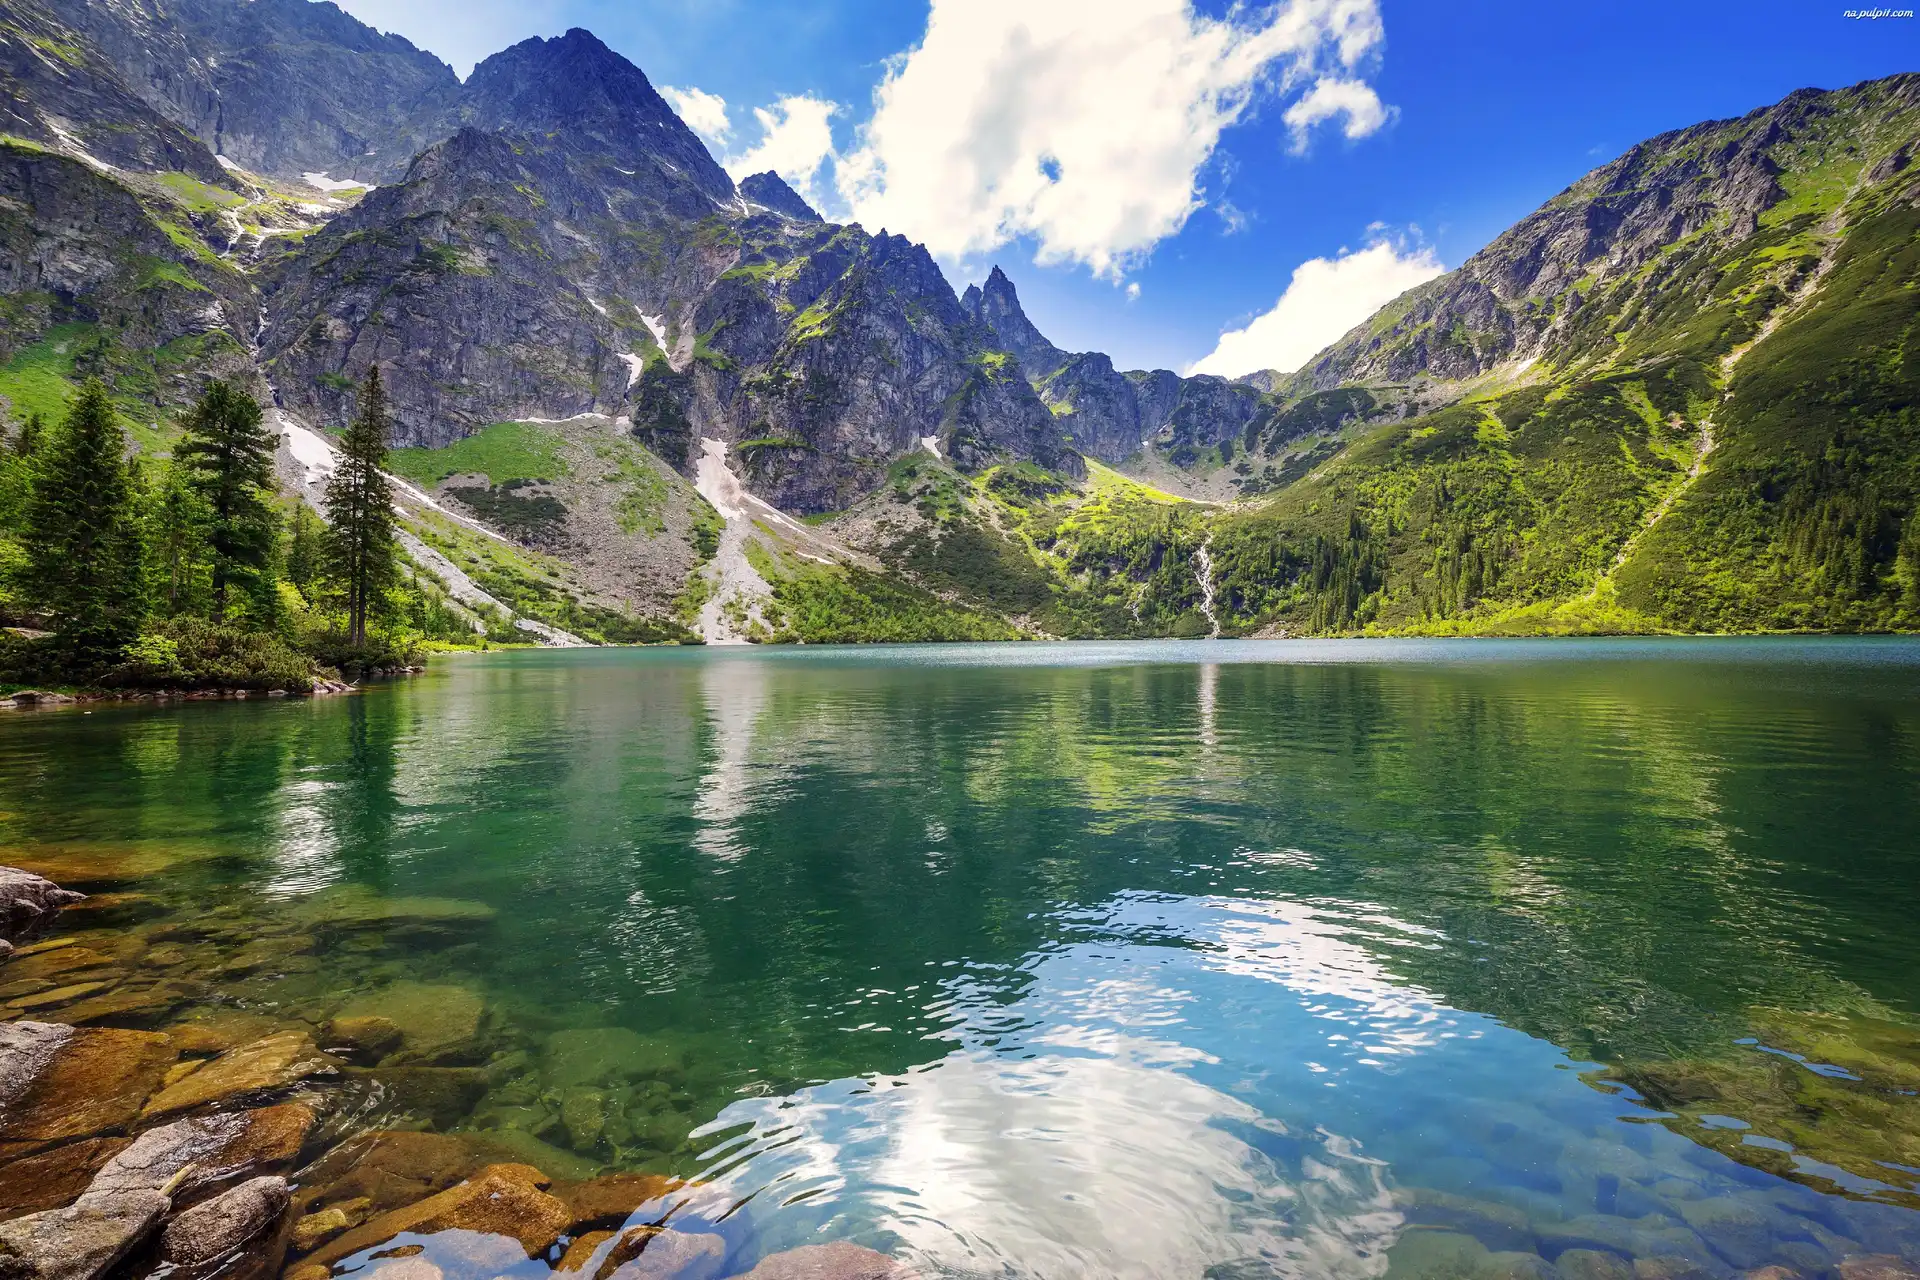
point(227, 1148)
point(25, 699)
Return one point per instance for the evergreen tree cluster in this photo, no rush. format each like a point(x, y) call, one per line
point(195, 569)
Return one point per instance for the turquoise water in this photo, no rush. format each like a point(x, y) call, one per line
point(1169, 959)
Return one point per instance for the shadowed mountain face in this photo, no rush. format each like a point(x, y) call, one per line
point(281, 87)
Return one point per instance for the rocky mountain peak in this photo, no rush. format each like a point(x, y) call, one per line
point(580, 93)
point(770, 191)
point(997, 306)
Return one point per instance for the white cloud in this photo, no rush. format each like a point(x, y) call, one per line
point(705, 113)
point(796, 139)
point(1331, 97)
point(1326, 298)
point(1082, 123)
point(1133, 291)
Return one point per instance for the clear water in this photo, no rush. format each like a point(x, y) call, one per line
point(1215, 958)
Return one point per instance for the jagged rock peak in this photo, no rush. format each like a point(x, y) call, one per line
point(574, 84)
point(769, 190)
point(997, 306)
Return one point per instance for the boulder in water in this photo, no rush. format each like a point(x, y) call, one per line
point(204, 1152)
point(82, 1241)
point(28, 900)
point(499, 1200)
point(275, 1062)
point(61, 1083)
point(215, 1228)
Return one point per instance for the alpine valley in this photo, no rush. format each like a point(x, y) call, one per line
point(634, 400)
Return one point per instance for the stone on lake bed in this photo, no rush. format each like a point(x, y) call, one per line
point(366, 1033)
point(661, 1253)
point(837, 1261)
point(500, 1200)
point(1877, 1266)
point(82, 1241)
point(442, 1096)
point(610, 1055)
point(61, 1083)
point(1592, 1264)
point(141, 1003)
point(53, 1178)
point(58, 996)
point(276, 1062)
point(215, 1228)
point(431, 1017)
point(354, 907)
point(607, 1203)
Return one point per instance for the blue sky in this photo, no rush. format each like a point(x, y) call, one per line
point(1152, 173)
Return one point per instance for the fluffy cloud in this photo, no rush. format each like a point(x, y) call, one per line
point(705, 113)
point(1326, 298)
point(1082, 123)
point(796, 138)
point(1331, 97)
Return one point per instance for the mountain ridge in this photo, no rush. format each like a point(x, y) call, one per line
point(1599, 422)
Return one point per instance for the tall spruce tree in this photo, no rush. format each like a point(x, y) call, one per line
point(176, 535)
point(83, 545)
point(228, 458)
point(360, 512)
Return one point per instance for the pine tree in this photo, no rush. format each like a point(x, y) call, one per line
point(360, 509)
point(306, 549)
point(27, 442)
point(229, 462)
point(177, 520)
point(83, 546)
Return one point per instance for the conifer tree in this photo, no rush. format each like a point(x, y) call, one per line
point(306, 549)
point(83, 546)
point(177, 520)
point(360, 510)
point(228, 456)
point(27, 441)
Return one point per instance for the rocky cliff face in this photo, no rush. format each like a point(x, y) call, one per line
point(64, 94)
point(1631, 238)
point(280, 87)
point(1108, 414)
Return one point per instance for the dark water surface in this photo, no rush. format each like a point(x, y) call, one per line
point(1179, 959)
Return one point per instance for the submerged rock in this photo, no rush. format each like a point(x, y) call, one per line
point(606, 1203)
point(837, 1261)
point(661, 1253)
point(357, 908)
point(1878, 1266)
point(28, 901)
point(610, 1055)
point(368, 1034)
point(499, 1200)
point(432, 1018)
point(1592, 1264)
point(442, 1096)
point(217, 1227)
point(53, 1178)
point(276, 1062)
point(80, 1242)
point(63, 1083)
